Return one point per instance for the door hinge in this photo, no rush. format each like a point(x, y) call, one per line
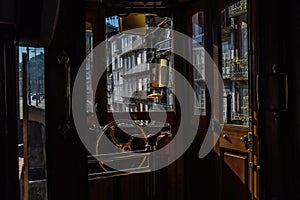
point(253, 166)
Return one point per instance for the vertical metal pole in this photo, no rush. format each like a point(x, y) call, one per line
point(37, 95)
point(29, 87)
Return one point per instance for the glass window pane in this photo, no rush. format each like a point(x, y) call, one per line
point(32, 142)
point(130, 75)
point(89, 71)
point(199, 63)
point(235, 63)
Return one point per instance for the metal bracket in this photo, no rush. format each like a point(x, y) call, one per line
point(251, 165)
point(248, 141)
point(65, 126)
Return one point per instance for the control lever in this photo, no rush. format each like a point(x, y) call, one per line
point(227, 138)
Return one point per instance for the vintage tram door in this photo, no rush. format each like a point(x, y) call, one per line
point(237, 145)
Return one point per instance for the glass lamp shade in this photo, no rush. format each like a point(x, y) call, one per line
point(159, 76)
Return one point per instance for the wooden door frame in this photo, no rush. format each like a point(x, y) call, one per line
point(279, 142)
point(9, 114)
point(253, 63)
point(66, 155)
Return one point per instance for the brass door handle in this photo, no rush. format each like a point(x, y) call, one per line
point(248, 141)
point(244, 139)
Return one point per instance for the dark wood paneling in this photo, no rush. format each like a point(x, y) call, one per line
point(290, 130)
point(132, 187)
point(235, 176)
point(238, 164)
point(9, 189)
point(103, 189)
point(152, 186)
point(231, 138)
point(66, 156)
point(201, 174)
point(273, 124)
point(234, 159)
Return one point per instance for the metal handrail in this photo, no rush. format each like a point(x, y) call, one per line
point(118, 155)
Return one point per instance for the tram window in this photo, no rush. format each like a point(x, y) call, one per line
point(130, 85)
point(32, 144)
point(35, 76)
point(129, 89)
point(234, 36)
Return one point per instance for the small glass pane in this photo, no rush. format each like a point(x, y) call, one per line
point(235, 63)
point(199, 63)
point(89, 67)
point(35, 76)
